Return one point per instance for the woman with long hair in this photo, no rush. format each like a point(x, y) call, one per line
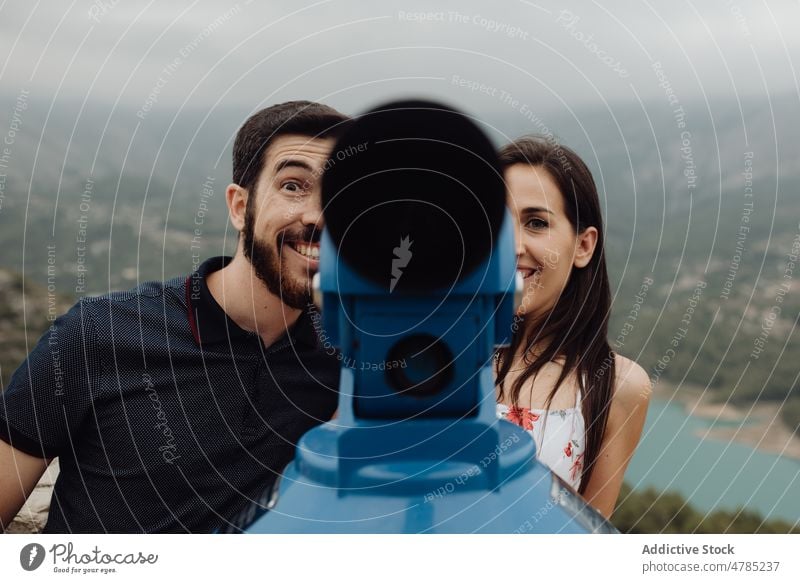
point(584, 405)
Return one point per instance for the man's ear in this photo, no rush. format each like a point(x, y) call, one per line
point(236, 197)
point(585, 246)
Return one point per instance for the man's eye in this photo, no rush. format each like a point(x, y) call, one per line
point(292, 186)
point(536, 223)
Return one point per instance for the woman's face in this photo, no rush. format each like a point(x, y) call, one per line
point(547, 246)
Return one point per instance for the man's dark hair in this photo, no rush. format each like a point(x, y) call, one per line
point(305, 118)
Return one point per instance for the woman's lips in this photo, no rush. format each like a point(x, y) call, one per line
point(527, 272)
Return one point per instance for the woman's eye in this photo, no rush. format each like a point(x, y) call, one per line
point(536, 223)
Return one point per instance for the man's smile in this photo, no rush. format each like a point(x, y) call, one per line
point(307, 250)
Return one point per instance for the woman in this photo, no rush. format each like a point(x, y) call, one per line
point(559, 379)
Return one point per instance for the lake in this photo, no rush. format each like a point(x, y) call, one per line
point(712, 474)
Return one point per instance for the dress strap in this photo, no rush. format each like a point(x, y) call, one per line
point(577, 411)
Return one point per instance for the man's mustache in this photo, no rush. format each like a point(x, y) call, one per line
point(310, 234)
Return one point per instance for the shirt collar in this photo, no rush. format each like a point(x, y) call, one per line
point(210, 324)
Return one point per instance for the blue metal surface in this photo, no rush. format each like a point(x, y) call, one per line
point(441, 464)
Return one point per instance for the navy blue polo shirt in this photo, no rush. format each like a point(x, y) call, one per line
point(164, 414)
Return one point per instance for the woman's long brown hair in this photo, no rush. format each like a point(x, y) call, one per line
point(576, 329)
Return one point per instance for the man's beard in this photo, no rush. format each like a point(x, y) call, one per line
point(268, 266)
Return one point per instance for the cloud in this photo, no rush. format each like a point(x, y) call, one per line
point(354, 54)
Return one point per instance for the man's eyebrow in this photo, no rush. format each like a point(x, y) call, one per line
point(292, 163)
point(536, 209)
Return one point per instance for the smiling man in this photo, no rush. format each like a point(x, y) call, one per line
point(171, 407)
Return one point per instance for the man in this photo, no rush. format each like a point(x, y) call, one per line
point(172, 406)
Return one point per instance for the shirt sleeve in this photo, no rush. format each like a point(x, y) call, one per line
point(50, 394)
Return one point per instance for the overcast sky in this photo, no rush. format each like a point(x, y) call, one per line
point(484, 57)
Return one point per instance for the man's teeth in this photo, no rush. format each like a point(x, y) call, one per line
point(310, 251)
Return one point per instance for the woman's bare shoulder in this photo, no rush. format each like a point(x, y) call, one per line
point(632, 387)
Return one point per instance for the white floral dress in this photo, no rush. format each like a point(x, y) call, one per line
point(559, 435)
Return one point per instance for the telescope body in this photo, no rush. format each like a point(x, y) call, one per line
point(418, 277)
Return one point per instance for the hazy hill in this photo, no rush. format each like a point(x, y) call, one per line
point(96, 184)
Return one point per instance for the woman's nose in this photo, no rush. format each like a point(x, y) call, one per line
point(519, 248)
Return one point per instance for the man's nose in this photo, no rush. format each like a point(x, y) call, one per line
point(312, 212)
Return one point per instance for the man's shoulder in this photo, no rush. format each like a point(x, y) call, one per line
point(144, 291)
point(150, 296)
point(147, 292)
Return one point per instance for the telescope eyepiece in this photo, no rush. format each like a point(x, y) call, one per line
point(422, 366)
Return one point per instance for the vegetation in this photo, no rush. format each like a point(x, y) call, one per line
point(790, 413)
point(23, 322)
point(651, 512)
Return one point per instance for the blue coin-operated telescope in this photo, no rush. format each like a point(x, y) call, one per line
point(417, 278)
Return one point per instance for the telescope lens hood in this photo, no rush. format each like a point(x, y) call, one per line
point(413, 196)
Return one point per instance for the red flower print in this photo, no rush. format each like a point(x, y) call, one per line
point(577, 465)
point(568, 449)
point(522, 416)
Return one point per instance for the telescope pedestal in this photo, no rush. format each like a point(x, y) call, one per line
point(423, 476)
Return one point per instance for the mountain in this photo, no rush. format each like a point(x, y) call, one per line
point(701, 202)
